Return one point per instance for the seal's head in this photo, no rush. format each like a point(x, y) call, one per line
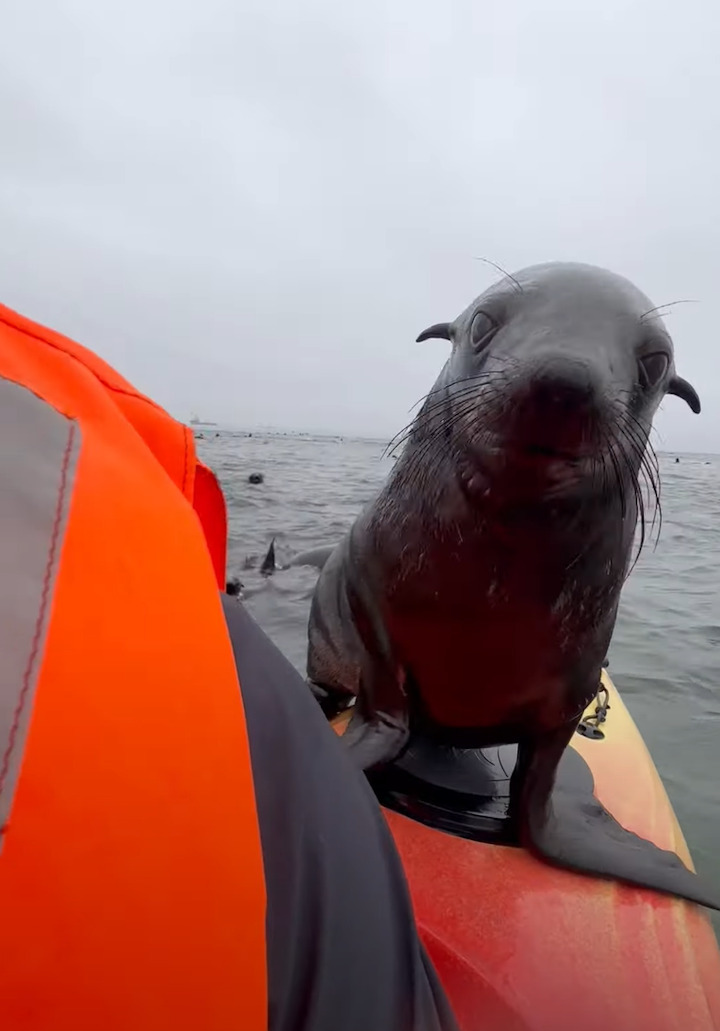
point(553, 381)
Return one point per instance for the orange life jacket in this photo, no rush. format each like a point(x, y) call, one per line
point(131, 880)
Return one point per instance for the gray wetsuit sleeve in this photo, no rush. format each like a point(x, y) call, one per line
point(343, 951)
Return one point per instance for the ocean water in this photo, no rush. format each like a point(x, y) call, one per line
point(665, 656)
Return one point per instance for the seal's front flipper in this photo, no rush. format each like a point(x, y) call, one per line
point(564, 823)
point(376, 742)
point(379, 728)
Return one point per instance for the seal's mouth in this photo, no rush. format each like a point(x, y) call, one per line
point(553, 469)
point(551, 465)
point(547, 451)
point(497, 451)
point(528, 469)
point(539, 436)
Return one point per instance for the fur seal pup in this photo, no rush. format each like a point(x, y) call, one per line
point(474, 600)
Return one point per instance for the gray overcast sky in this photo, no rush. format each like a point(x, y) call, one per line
point(252, 208)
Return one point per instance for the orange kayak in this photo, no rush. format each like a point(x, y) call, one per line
point(523, 946)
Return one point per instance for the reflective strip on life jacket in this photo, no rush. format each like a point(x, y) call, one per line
point(38, 454)
point(171, 442)
point(131, 881)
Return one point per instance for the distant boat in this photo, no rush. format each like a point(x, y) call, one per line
point(195, 421)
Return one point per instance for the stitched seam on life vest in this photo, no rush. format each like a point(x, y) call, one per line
point(185, 458)
point(52, 551)
point(118, 390)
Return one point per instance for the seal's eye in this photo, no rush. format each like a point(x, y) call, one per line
point(652, 368)
point(482, 329)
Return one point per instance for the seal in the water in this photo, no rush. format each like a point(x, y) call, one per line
point(474, 600)
point(234, 587)
point(316, 557)
point(268, 564)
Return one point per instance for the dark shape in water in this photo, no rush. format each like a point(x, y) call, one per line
point(268, 566)
point(256, 478)
point(233, 587)
point(316, 557)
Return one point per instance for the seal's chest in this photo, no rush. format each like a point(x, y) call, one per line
point(472, 581)
point(495, 664)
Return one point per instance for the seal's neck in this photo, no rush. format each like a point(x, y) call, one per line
point(441, 543)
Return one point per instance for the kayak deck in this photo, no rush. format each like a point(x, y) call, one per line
point(524, 946)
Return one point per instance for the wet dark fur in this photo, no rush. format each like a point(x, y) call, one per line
point(476, 597)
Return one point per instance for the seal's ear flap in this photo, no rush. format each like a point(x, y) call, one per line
point(440, 331)
point(681, 388)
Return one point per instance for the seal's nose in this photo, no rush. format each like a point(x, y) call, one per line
point(562, 386)
point(553, 407)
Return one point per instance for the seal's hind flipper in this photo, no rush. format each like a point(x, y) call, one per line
point(582, 835)
point(567, 826)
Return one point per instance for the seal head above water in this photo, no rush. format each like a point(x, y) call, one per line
point(474, 600)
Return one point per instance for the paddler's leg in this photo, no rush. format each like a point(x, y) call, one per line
point(343, 948)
